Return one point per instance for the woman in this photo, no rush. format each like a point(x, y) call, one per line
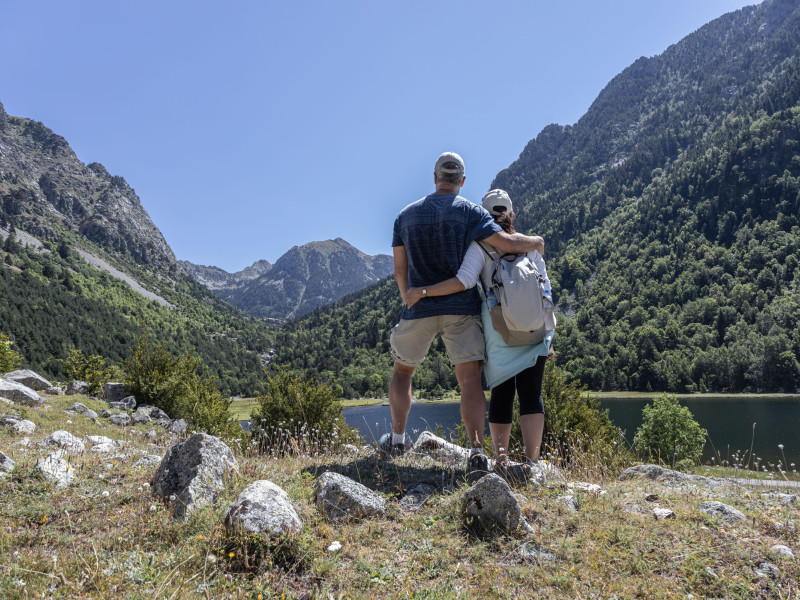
point(508, 369)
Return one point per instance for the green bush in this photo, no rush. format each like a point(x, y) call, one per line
point(669, 432)
point(298, 414)
point(180, 386)
point(93, 370)
point(9, 358)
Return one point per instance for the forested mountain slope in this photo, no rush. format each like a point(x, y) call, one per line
point(671, 212)
point(52, 300)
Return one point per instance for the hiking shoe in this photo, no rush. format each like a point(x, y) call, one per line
point(478, 463)
point(391, 450)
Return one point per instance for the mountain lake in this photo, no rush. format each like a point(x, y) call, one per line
point(728, 419)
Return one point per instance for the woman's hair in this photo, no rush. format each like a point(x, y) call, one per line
point(506, 221)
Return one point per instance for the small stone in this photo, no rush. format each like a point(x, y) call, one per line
point(491, 498)
point(718, 510)
point(651, 498)
point(262, 508)
point(569, 502)
point(767, 570)
point(65, 440)
point(335, 547)
point(56, 470)
point(663, 513)
point(782, 550)
point(532, 552)
point(339, 498)
point(120, 419)
point(6, 464)
point(19, 426)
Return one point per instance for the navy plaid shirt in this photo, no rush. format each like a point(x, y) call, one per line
point(436, 232)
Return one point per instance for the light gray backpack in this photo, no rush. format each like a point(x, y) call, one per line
point(524, 314)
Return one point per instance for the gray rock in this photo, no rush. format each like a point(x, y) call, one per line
point(178, 426)
point(96, 440)
point(121, 419)
point(19, 426)
point(105, 413)
point(29, 379)
point(416, 497)
point(428, 443)
point(350, 450)
point(64, 440)
point(262, 508)
point(491, 499)
point(146, 462)
point(663, 513)
point(54, 391)
point(151, 435)
point(55, 470)
point(126, 403)
point(84, 410)
point(194, 472)
point(146, 413)
point(6, 464)
point(104, 448)
point(114, 392)
point(339, 498)
point(532, 552)
point(543, 471)
point(658, 473)
point(19, 394)
point(781, 550)
point(570, 502)
point(718, 510)
point(77, 387)
point(767, 570)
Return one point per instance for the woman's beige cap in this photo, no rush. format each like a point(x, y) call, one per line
point(497, 202)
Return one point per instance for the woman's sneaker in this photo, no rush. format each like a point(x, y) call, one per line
point(391, 450)
point(478, 463)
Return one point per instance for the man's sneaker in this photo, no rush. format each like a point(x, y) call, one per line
point(478, 463)
point(391, 450)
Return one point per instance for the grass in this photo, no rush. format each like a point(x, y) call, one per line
point(78, 543)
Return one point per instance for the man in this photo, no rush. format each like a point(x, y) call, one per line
point(430, 239)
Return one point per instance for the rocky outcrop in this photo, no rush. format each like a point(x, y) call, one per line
point(29, 379)
point(340, 498)
point(193, 473)
point(262, 508)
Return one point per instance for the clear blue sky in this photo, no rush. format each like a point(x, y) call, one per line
point(250, 127)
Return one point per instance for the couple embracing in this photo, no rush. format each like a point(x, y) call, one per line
point(442, 245)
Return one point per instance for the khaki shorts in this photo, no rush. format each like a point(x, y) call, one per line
point(461, 334)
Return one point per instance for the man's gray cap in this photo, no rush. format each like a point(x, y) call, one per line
point(497, 202)
point(454, 163)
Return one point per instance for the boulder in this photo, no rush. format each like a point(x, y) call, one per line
point(121, 419)
point(718, 510)
point(194, 472)
point(492, 500)
point(19, 394)
point(6, 464)
point(29, 379)
point(114, 392)
point(84, 410)
point(56, 470)
point(126, 403)
point(777, 549)
point(18, 426)
point(262, 508)
point(178, 426)
point(146, 413)
point(441, 449)
point(77, 387)
point(64, 440)
point(340, 498)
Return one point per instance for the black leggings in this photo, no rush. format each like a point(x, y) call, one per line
point(528, 385)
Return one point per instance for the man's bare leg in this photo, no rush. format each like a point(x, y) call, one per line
point(473, 401)
point(400, 396)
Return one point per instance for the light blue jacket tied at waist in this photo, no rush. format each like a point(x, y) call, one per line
point(502, 361)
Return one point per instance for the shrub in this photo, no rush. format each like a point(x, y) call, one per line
point(669, 432)
point(93, 370)
point(295, 412)
point(9, 358)
point(180, 386)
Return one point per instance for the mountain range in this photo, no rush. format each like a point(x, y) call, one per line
point(304, 278)
point(671, 214)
